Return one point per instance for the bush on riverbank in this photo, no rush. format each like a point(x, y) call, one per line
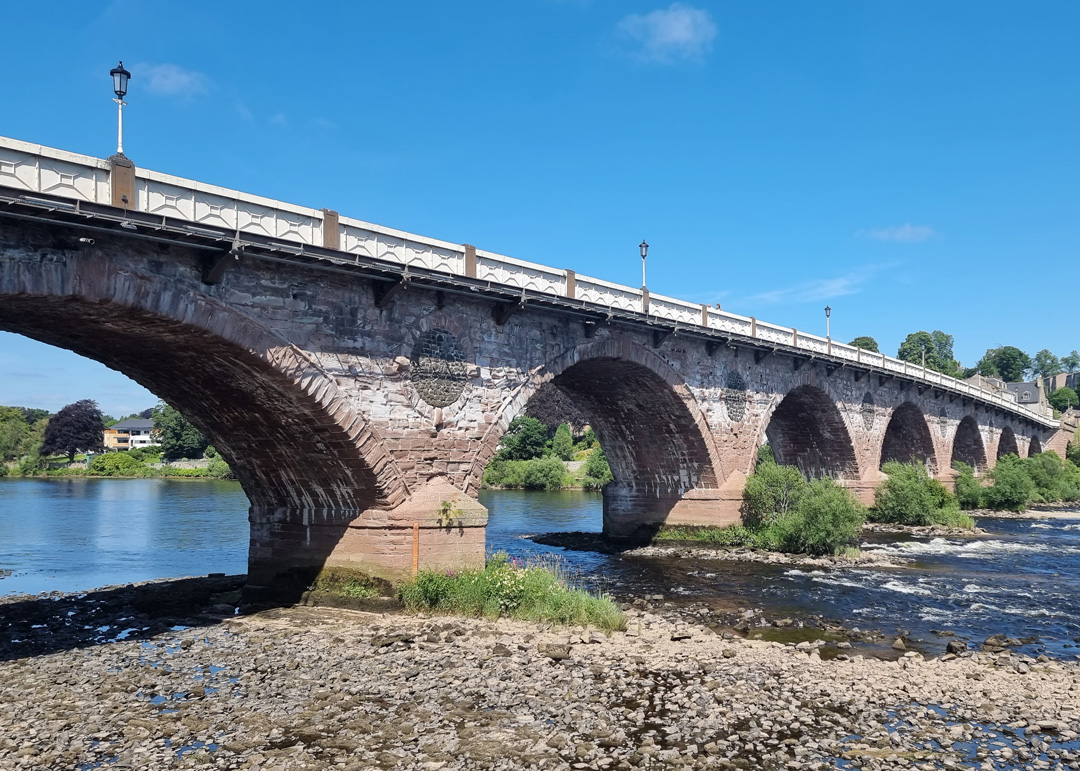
point(126, 464)
point(548, 473)
point(531, 592)
point(910, 496)
point(771, 492)
point(1016, 483)
point(789, 515)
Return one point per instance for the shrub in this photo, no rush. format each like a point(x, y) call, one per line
point(733, 535)
point(770, 493)
point(970, 493)
point(219, 469)
point(563, 443)
point(597, 468)
point(765, 454)
point(535, 592)
point(826, 519)
point(544, 474)
point(3, 470)
point(1055, 479)
point(115, 464)
point(1012, 489)
point(910, 496)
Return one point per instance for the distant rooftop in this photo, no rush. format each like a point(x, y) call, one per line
point(134, 423)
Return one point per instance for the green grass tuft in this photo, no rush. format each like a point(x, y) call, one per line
point(540, 590)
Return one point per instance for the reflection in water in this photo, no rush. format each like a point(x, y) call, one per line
point(1021, 579)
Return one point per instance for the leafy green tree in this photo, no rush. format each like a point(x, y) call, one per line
point(178, 438)
point(866, 343)
point(525, 439)
point(826, 518)
point(1013, 489)
point(76, 428)
point(30, 444)
point(770, 493)
point(563, 443)
point(1007, 362)
point(910, 496)
point(936, 346)
point(765, 454)
point(544, 474)
point(969, 493)
point(1071, 361)
point(13, 428)
point(597, 469)
point(1046, 364)
point(1063, 398)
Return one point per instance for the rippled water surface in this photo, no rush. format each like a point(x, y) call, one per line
point(1022, 578)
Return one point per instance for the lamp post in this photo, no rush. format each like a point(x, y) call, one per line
point(644, 247)
point(120, 85)
point(828, 332)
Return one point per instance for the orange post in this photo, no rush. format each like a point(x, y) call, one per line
point(415, 548)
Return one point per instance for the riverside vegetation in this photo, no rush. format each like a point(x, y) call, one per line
point(528, 459)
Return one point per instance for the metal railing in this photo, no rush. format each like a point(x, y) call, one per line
point(55, 173)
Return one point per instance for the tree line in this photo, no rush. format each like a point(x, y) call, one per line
point(1007, 362)
point(30, 437)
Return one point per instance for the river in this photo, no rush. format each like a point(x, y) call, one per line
point(1022, 578)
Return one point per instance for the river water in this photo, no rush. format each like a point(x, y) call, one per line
point(1022, 578)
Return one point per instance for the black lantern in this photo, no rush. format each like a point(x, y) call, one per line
point(644, 247)
point(828, 311)
point(120, 79)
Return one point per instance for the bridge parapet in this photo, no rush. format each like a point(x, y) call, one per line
point(28, 170)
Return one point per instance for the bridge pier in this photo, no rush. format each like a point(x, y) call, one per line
point(439, 525)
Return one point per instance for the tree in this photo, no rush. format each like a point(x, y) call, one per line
point(1046, 364)
point(525, 439)
point(1063, 398)
point(76, 428)
point(1007, 362)
point(937, 348)
point(866, 343)
point(1071, 362)
point(563, 443)
point(12, 429)
point(177, 437)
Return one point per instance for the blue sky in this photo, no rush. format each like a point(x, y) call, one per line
point(913, 165)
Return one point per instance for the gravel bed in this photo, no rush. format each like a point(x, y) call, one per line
point(315, 688)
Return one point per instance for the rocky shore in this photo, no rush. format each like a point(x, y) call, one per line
point(168, 676)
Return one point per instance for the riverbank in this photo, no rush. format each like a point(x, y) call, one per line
point(322, 688)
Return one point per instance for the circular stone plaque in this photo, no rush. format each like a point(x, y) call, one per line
point(438, 368)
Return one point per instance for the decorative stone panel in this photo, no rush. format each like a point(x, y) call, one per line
point(438, 370)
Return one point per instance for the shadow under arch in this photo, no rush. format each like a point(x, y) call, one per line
point(907, 437)
point(968, 445)
point(1007, 443)
point(1035, 447)
point(306, 468)
point(806, 430)
point(657, 442)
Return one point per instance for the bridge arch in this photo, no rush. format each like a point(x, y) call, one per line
point(1034, 447)
point(968, 444)
point(807, 430)
point(907, 437)
point(271, 411)
point(656, 439)
point(1007, 443)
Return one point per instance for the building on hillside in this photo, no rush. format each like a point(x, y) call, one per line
point(987, 383)
point(130, 434)
point(1064, 380)
point(1027, 393)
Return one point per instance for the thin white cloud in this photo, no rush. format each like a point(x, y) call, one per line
point(677, 33)
point(278, 119)
point(818, 289)
point(906, 233)
point(170, 80)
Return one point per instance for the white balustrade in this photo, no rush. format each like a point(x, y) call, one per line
point(614, 296)
point(678, 311)
point(501, 269)
point(33, 169)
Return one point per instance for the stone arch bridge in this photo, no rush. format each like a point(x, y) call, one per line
point(358, 378)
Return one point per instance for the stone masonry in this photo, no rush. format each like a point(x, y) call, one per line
point(360, 433)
